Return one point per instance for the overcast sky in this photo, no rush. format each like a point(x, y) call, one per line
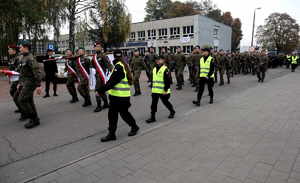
point(242, 9)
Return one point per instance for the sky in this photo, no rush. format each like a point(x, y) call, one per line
point(242, 9)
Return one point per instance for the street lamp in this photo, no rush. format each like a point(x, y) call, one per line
point(254, 25)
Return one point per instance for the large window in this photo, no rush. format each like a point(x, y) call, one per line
point(187, 49)
point(174, 32)
point(141, 35)
point(215, 32)
point(188, 31)
point(132, 36)
point(152, 34)
point(162, 33)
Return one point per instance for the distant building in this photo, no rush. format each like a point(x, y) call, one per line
point(185, 32)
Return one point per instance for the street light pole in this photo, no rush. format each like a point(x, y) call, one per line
point(253, 25)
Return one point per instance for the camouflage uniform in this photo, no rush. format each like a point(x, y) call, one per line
point(180, 61)
point(137, 65)
point(13, 65)
point(30, 79)
point(71, 80)
point(261, 67)
point(83, 86)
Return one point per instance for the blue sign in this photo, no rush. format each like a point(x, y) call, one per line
point(134, 44)
point(50, 46)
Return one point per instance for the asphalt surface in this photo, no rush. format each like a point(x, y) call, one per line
point(70, 132)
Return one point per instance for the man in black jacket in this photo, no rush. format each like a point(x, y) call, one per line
point(50, 68)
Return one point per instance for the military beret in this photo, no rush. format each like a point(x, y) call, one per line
point(118, 53)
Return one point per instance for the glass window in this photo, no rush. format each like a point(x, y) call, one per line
point(188, 31)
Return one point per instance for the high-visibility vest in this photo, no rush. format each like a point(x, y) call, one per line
point(158, 83)
point(205, 67)
point(122, 89)
point(289, 58)
point(294, 59)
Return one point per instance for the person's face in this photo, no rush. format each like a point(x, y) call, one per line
point(163, 50)
point(68, 53)
point(160, 61)
point(136, 53)
point(81, 52)
point(205, 53)
point(98, 47)
point(24, 49)
point(11, 51)
point(147, 53)
point(50, 53)
point(151, 50)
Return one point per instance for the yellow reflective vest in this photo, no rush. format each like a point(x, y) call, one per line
point(205, 67)
point(294, 59)
point(158, 83)
point(122, 89)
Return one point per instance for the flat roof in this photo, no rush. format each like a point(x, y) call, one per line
point(182, 17)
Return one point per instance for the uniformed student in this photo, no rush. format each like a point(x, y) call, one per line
point(71, 75)
point(13, 65)
point(83, 71)
point(161, 83)
point(118, 87)
point(137, 65)
point(30, 81)
point(206, 76)
point(107, 68)
point(180, 61)
point(51, 71)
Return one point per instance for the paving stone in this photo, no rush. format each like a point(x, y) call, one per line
point(260, 172)
point(277, 177)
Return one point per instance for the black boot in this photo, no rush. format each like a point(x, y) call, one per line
point(109, 137)
point(105, 106)
point(179, 87)
point(87, 102)
point(99, 107)
point(221, 83)
point(17, 111)
point(211, 101)
point(32, 123)
point(46, 96)
point(197, 103)
point(74, 100)
point(23, 118)
point(137, 93)
point(151, 119)
point(55, 95)
point(172, 114)
point(133, 131)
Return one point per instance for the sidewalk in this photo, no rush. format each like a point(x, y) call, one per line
point(252, 137)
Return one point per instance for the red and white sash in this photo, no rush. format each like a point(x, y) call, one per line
point(99, 69)
point(82, 69)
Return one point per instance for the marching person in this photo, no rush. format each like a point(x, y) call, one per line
point(206, 76)
point(262, 66)
point(71, 75)
point(294, 62)
point(106, 67)
point(83, 70)
point(118, 87)
point(30, 81)
point(161, 83)
point(50, 68)
point(180, 62)
point(13, 65)
point(137, 65)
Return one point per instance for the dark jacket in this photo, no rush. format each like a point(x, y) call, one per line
point(50, 66)
point(30, 73)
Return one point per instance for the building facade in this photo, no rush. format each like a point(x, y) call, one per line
point(185, 32)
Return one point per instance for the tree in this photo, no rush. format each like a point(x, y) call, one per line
point(179, 9)
point(110, 28)
point(157, 9)
point(236, 34)
point(227, 18)
point(215, 14)
point(280, 32)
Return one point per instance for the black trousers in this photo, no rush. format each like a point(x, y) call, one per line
point(202, 83)
point(50, 79)
point(165, 101)
point(261, 74)
point(119, 105)
point(294, 66)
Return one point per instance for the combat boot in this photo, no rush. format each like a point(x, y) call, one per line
point(211, 101)
point(151, 119)
point(133, 131)
point(137, 93)
point(179, 87)
point(34, 122)
point(109, 137)
point(74, 100)
point(99, 107)
point(23, 118)
point(197, 103)
point(172, 115)
point(87, 102)
point(46, 96)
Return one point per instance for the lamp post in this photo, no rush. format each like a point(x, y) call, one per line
point(253, 25)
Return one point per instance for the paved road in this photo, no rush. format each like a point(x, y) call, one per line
point(69, 133)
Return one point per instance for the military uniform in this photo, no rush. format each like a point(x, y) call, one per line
point(83, 86)
point(261, 67)
point(30, 79)
point(195, 57)
point(137, 66)
point(106, 67)
point(180, 62)
point(71, 79)
point(13, 65)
